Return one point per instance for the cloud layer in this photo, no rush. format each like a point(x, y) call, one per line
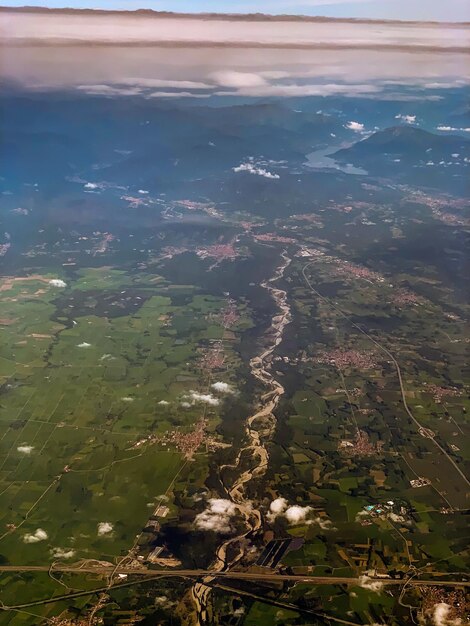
point(151, 30)
point(253, 58)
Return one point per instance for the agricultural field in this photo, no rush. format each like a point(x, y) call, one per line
point(98, 412)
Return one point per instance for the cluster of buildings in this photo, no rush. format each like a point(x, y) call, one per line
point(348, 358)
point(393, 510)
point(361, 445)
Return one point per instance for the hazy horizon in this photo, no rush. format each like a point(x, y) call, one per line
point(406, 10)
point(168, 57)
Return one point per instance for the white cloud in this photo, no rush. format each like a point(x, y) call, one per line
point(441, 615)
point(205, 398)
point(296, 514)
point(217, 517)
point(62, 553)
point(408, 119)
point(57, 282)
point(25, 449)
point(176, 94)
point(105, 528)
point(162, 498)
point(356, 126)
point(237, 80)
point(264, 83)
point(367, 583)
point(222, 387)
point(325, 524)
point(84, 344)
point(143, 191)
point(252, 169)
point(38, 535)
point(452, 128)
point(276, 508)
point(108, 90)
point(185, 405)
point(90, 186)
point(163, 403)
point(156, 83)
point(127, 399)
point(301, 90)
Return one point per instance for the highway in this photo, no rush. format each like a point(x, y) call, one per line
point(255, 576)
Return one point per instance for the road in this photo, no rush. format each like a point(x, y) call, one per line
point(256, 576)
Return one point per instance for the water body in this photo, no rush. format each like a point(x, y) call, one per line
point(321, 159)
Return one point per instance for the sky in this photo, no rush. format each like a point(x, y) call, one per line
point(438, 10)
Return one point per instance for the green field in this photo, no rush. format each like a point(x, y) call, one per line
point(75, 401)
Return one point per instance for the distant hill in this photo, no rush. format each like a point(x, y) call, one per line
point(227, 16)
point(407, 143)
point(147, 143)
point(461, 117)
point(41, 156)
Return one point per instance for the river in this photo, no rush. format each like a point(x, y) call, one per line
point(258, 428)
point(321, 160)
